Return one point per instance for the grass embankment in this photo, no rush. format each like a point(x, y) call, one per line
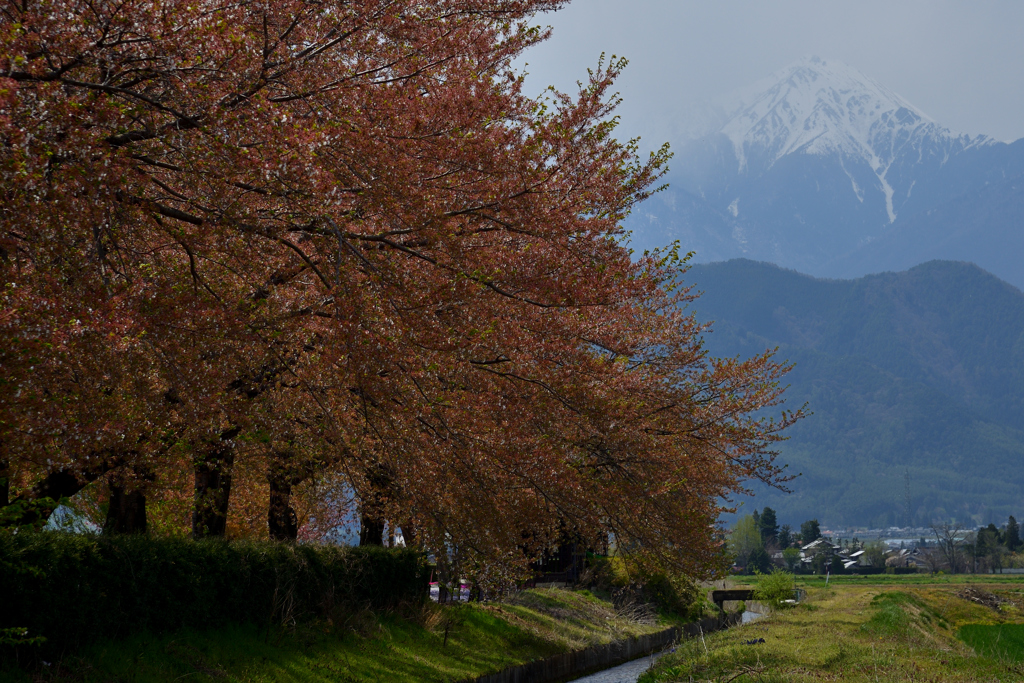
point(885, 629)
point(431, 643)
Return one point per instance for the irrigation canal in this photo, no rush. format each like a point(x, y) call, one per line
point(630, 671)
point(624, 673)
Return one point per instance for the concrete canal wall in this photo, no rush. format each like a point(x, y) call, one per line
point(571, 665)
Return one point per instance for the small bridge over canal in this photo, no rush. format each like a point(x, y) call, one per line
point(720, 597)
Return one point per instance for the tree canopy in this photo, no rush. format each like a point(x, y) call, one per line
point(809, 531)
point(257, 255)
point(768, 525)
point(745, 538)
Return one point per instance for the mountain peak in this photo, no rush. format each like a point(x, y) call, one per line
point(816, 106)
point(827, 108)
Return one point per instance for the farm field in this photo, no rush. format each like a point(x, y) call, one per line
point(875, 628)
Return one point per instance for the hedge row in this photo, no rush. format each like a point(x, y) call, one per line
point(73, 589)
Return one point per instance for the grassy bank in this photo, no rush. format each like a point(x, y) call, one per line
point(861, 630)
point(426, 644)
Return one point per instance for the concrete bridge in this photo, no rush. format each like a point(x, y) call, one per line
point(746, 594)
point(720, 596)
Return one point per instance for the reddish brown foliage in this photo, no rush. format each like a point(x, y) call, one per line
point(335, 239)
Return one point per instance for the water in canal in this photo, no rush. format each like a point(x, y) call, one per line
point(624, 673)
point(630, 671)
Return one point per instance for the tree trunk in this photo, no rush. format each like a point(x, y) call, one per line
point(54, 486)
point(213, 487)
point(282, 522)
point(5, 484)
point(371, 530)
point(126, 513)
point(442, 583)
point(371, 516)
point(409, 534)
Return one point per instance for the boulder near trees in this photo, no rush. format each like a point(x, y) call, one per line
point(336, 239)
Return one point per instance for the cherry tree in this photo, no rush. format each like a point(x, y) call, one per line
point(335, 240)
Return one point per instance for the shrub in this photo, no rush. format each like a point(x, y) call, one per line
point(630, 584)
point(606, 573)
point(773, 588)
point(73, 589)
point(673, 595)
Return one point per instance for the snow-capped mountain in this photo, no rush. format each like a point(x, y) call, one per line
point(828, 108)
point(819, 107)
point(812, 164)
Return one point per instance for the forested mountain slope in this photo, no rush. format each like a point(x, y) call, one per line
point(912, 377)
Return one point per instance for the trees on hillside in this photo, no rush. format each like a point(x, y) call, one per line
point(278, 246)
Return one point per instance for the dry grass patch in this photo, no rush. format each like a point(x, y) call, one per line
point(576, 619)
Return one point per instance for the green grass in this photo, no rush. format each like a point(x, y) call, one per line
point(385, 649)
point(807, 580)
point(999, 641)
point(431, 644)
point(865, 632)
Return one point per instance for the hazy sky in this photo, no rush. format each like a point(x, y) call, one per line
point(962, 63)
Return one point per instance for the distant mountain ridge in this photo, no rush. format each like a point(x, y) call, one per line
point(815, 165)
point(918, 375)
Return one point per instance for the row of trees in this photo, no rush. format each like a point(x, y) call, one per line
point(757, 538)
point(958, 550)
point(262, 258)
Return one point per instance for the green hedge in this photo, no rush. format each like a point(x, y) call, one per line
point(74, 589)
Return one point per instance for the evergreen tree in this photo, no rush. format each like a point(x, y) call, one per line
point(785, 536)
point(769, 524)
point(809, 531)
point(759, 561)
point(1012, 535)
point(989, 546)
